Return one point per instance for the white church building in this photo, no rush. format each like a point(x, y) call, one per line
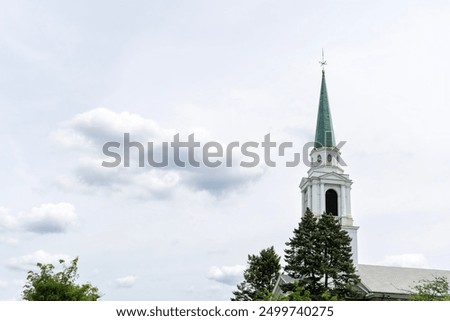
point(328, 189)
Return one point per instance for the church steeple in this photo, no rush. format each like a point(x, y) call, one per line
point(324, 127)
point(327, 188)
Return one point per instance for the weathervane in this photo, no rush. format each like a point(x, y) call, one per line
point(322, 62)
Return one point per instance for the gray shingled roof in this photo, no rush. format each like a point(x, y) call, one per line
point(395, 280)
point(384, 282)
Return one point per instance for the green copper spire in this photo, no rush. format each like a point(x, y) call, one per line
point(324, 127)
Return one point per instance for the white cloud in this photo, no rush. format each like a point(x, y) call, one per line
point(46, 218)
point(133, 182)
point(50, 218)
point(28, 262)
point(88, 132)
point(126, 281)
point(101, 125)
point(416, 260)
point(229, 275)
point(7, 221)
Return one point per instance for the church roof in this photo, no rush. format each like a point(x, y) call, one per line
point(384, 282)
point(394, 282)
point(324, 127)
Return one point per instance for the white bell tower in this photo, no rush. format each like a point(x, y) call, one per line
point(327, 189)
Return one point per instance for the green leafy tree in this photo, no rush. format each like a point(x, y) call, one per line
point(434, 290)
point(260, 276)
point(48, 285)
point(319, 256)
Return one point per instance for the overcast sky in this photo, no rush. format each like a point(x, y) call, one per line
point(75, 75)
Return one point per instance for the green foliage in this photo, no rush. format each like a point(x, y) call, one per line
point(301, 253)
point(319, 256)
point(327, 296)
point(434, 290)
point(260, 276)
point(47, 285)
point(297, 293)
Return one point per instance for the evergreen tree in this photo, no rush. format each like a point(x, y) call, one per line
point(319, 256)
point(338, 271)
point(297, 293)
point(301, 254)
point(260, 276)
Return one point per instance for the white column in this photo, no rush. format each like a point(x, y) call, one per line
point(343, 201)
point(310, 197)
point(315, 198)
point(349, 203)
point(303, 203)
point(322, 198)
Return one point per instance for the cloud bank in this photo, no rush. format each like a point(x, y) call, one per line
point(28, 262)
point(44, 219)
point(89, 131)
point(229, 275)
point(415, 260)
point(126, 281)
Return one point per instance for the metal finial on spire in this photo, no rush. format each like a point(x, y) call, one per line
point(323, 62)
